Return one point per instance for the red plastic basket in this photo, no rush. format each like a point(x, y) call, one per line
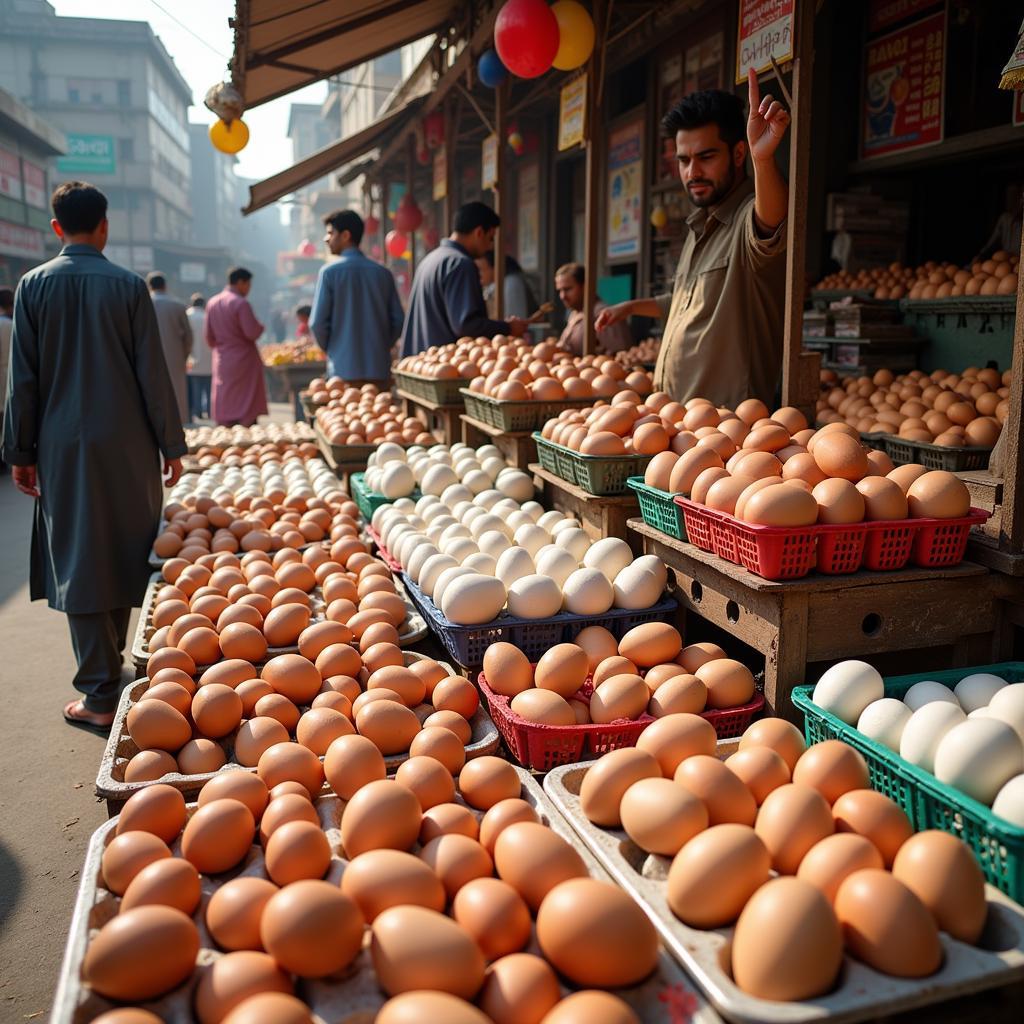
point(888, 545)
point(841, 548)
point(943, 542)
point(382, 551)
point(699, 524)
point(725, 540)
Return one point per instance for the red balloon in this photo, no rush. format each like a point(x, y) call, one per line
point(431, 238)
point(526, 37)
point(408, 216)
point(307, 248)
point(396, 243)
point(371, 225)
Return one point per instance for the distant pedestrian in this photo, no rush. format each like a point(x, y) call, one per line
point(232, 330)
point(302, 314)
point(200, 364)
point(517, 298)
point(175, 336)
point(357, 316)
point(6, 325)
point(90, 412)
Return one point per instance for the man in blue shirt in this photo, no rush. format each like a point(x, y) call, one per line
point(356, 314)
point(447, 300)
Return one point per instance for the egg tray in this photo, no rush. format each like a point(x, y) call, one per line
point(862, 993)
point(352, 996)
point(604, 475)
point(382, 552)
point(936, 456)
point(120, 749)
point(998, 845)
point(517, 416)
point(467, 644)
point(446, 393)
point(658, 508)
point(369, 501)
point(786, 553)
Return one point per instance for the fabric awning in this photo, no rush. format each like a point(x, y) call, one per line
point(323, 161)
point(283, 45)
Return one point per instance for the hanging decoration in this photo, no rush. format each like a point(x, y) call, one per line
point(408, 216)
point(371, 225)
point(307, 248)
point(659, 217)
point(431, 238)
point(575, 35)
point(490, 70)
point(526, 37)
point(229, 136)
point(515, 142)
point(375, 251)
point(423, 156)
point(396, 243)
point(433, 129)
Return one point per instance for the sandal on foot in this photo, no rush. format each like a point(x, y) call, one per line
point(76, 714)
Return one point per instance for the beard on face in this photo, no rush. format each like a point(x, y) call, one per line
point(719, 189)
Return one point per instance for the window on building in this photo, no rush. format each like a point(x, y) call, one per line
point(126, 150)
point(73, 96)
point(124, 92)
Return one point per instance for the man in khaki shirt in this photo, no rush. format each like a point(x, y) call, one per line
point(723, 320)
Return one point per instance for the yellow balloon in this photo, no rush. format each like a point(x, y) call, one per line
point(407, 255)
point(229, 138)
point(576, 35)
point(659, 217)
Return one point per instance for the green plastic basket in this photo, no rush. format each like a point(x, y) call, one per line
point(929, 804)
point(369, 501)
point(605, 475)
point(516, 417)
point(934, 456)
point(658, 509)
point(439, 392)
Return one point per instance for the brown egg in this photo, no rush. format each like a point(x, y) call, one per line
point(141, 954)
point(149, 765)
point(506, 669)
point(232, 979)
point(694, 655)
point(170, 657)
point(380, 879)
point(312, 929)
point(906, 475)
point(591, 1007)
point(876, 817)
point(216, 710)
point(158, 809)
point(781, 736)
point(283, 624)
point(201, 644)
point(441, 745)
point(563, 669)
point(296, 850)
point(318, 728)
point(431, 672)
point(231, 673)
point(245, 787)
point(429, 780)
point(352, 762)
point(127, 1015)
point(388, 724)
point(729, 683)
point(830, 860)
point(293, 677)
point(883, 498)
point(374, 658)
point(127, 854)
point(689, 466)
point(443, 819)
point(832, 768)
point(618, 698)
point(676, 737)
point(155, 725)
point(381, 815)
point(200, 757)
point(409, 687)
point(172, 675)
point(284, 809)
point(170, 693)
point(595, 934)
point(839, 455)
point(791, 820)
point(761, 770)
point(659, 470)
point(651, 644)
point(517, 988)
point(722, 792)
point(486, 780)
point(787, 944)
point(243, 640)
point(284, 762)
point(500, 816)
point(256, 736)
point(533, 860)
point(679, 694)
point(886, 926)
point(703, 484)
point(616, 666)
point(456, 859)
point(218, 836)
point(494, 915)
point(939, 495)
point(424, 1005)
point(661, 816)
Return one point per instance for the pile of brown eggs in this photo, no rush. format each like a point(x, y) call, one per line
point(255, 454)
point(219, 437)
point(365, 416)
point(645, 351)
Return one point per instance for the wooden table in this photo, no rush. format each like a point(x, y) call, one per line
point(599, 515)
point(518, 447)
point(443, 418)
point(826, 618)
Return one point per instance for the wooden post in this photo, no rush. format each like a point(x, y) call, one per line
point(798, 387)
point(593, 135)
point(410, 171)
point(500, 106)
point(1011, 526)
point(450, 136)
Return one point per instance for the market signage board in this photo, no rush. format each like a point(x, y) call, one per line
point(571, 113)
point(883, 14)
point(904, 78)
point(35, 184)
point(765, 31)
point(489, 161)
point(88, 154)
point(625, 190)
point(10, 174)
point(18, 240)
point(440, 172)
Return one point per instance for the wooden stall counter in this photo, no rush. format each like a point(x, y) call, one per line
point(518, 447)
point(443, 419)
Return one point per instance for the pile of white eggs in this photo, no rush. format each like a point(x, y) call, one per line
point(278, 481)
point(970, 737)
point(256, 434)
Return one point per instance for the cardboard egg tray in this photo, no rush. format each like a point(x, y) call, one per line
point(351, 996)
point(121, 748)
point(413, 629)
point(861, 994)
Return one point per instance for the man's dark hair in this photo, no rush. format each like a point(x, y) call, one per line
point(197, 300)
point(475, 215)
point(346, 220)
point(6, 298)
point(512, 265)
point(156, 281)
point(303, 310)
point(573, 270)
point(239, 275)
point(712, 106)
point(78, 207)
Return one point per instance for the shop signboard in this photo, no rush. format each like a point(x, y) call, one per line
point(529, 215)
point(625, 190)
point(883, 14)
point(572, 113)
point(10, 174)
point(765, 31)
point(489, 161)
point(440, 172)
point(18, 240)
point(88, 154)
point(192, 272)
point(904, 77)
point(35, 184)
point(703, 64)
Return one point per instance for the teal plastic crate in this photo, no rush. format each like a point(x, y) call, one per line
point(603, 475)
point(997, 845)
point(658, 509)
point(369, 501)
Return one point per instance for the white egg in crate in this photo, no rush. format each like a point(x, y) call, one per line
point(977, 690)
point(534, 597)
point(924, 730)
point(847, 688)
point(1009, 802)
point(431, 572)
point(1008, 706)
point(514, 563)
point(610, 554)
point(884, 721)
point(587, 591)
point(979, 757)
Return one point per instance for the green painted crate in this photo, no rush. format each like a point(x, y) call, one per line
point(997, 844)
point(369, 501)
point(658, 509)
point(440, 392)
point(514, 417)
point(605, 475)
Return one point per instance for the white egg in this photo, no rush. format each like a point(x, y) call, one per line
point(440, 453)
point(416, 522)
point(380, 516)
point(555, 562)
point(406, 505)
point(460, 548)
point(477, 481)
point(513, 564)
point(408, 544)
point(426, 502)
point(397, 480)
point(492, 466)
point(515, 484)
point(431, 512)
point(977, 690)
point(979, 713)
point(372, 479)
point(487, 522)
point(549, 520)
point(482, 563)
point(437, 478)
point(459, 509)
point(847, 688)
point(576, 542)
point(565, 524)
point(487, 499)
point(636, 587)
point(432, 569)
point(444, 520)
point(493, 543)
point(532, 537)
point(473, 599)
point(452, 495)
point(534, 509)
point(455, 530)
point(505, 507)
point(653, 564)
point(587, 592)
point(390, 452)
point(611, 555)
point(1009, 802)
point(489, 451)
point(534, 597)
point(979, 757)
point(884, 721)
point(418, 559)
point(459, 447)
point(445, 579)
point(471, 513)
point(1008, 706)
point(519, 518)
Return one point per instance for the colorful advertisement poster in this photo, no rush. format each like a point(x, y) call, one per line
point(883, 14)
point(904, 75)
point(489, 161)
point(10, 174)
point(440, 172)
point(625, 190)
point(765, 31)
point(88, 154)
point(529, 216)
point(572, 113)
point(35, 184)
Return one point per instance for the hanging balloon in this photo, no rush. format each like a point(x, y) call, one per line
point(307, 248)
point(408, 216)
point(396, 243)
point(490, 70)
point(659, 217)
point(229, 137)
point(375, 250)
point(431, 238)
point(371, 225)
point(575, 35)
point(526, 37)
point(407, 255)
point(423, 156)
point(433, 129)
point(515, 141)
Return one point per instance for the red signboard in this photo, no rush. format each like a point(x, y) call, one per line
point(10, 174)
point(35, 184)
point(883, 14)
point(765, 31)
point(16, 240)
point(904, 74)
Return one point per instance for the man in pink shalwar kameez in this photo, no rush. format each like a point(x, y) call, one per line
point(231, 330)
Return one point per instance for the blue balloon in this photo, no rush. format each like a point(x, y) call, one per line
point(490, 69)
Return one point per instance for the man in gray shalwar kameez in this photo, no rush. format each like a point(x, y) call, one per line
point(175, 336)
point(90, 410)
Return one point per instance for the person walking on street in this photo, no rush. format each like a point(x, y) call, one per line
point(6, 326)
point(447, 300)
point(232, 330)
point(90, 412)
point(357, 316)
point(200, 364)
point(175, 336)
